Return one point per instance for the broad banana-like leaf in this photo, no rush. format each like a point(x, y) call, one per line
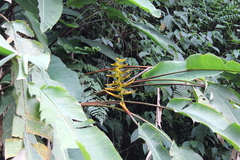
point(210, 117)
point(157, 141)
point(33, 53)
point(221, 101)
point(59, 72)
point(195, 66)
point(59, 109)
point(183, 153)
point(49, 13)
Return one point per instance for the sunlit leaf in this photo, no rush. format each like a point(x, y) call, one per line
point(221, 102)
point(5, 48)
point(49, 13)
point(147, 6)
point(156, 140)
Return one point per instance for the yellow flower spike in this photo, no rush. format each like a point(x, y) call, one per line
point(112, 94)
point(126, 84)
point(120, 60)
point(114, 89)
point(125, 92)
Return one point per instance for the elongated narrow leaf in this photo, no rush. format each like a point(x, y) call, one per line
point(49, 13)
point(211, 62)
point(182, 153)
point(104, 49)
point(157, 37)
point(156, 140)
point(58, 108)
point(195, 66)
point(175, 71)
point(6, 59)
point(200, 113)
point(221, 102)
point(58, 71)
point(5, 48)
point(211, 118)
point(147, 6)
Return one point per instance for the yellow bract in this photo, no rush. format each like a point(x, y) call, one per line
point(119, 75)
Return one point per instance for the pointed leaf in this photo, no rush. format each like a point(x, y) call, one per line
point(147, 6)
point(211, 62)
point(5, 48)
point(211, 118)
point(49, 13)
point(200, 113)
point(156, 36)
point(175, 70)
point(107, 51)
point(221, 102)
point(6, 59)
point(182, 153)
point(156, 141)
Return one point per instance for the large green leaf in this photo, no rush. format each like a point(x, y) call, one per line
point(58, 108)
point(157, 141)
point(175, 72)
point(59, 72)
point(29, 5)
point(195, 66)
point(156, 36)
point(221, 101)
point(211, 62)
point(49, 13)
point(208, 116)
point(182, 153)
point(27, 49)
point(147, 6)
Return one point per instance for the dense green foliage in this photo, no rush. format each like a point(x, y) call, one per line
point(184, 59)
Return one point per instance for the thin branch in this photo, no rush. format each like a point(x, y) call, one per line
point(4, 17)
point(165, 84)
